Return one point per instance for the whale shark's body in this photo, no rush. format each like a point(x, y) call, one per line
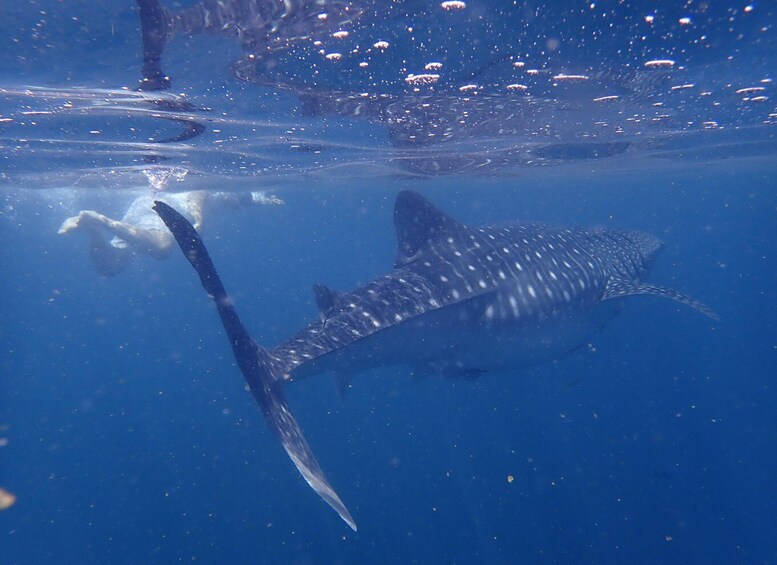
point(460, 301)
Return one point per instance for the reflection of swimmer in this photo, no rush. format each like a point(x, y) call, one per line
point(114, 243)
point(262, 27)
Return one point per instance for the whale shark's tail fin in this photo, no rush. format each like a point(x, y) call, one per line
point(257, 366)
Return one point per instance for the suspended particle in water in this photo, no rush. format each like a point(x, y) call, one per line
point(7, 499)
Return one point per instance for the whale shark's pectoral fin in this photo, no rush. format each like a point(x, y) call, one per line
point(618, 288)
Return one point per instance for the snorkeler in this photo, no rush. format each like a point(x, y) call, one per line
point(116, 243)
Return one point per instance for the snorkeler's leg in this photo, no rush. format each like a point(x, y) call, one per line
point(84, 218)
point(93, 221)
point(108, 259)
point(151, 241)
point(155, 242)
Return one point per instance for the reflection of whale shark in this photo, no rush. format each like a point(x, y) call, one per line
point(460, 301)
point(445, 133)
point(508, 128)
point(484, 111)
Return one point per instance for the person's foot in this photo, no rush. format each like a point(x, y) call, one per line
point(69, 225)
point(84, 218)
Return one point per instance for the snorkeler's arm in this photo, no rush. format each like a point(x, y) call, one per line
point(233, 200)
point(244, 199)
point(196, 206)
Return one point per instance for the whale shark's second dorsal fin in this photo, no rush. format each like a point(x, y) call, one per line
point(618, 287)
point(417, 221)
point(326, 299)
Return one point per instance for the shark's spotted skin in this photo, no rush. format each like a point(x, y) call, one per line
point(460, 301)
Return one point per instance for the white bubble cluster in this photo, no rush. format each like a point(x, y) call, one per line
point(656, 63)
point(453, 5)
point(427, 78)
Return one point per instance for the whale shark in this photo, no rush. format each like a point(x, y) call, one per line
point(460, 301)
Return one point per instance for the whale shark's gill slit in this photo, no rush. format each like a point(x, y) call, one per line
point(258, 367)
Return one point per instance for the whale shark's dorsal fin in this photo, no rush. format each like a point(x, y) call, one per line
point(417, 221)
point(326, 298)
point(618, 287)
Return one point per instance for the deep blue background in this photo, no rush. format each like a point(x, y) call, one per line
point(132, 439)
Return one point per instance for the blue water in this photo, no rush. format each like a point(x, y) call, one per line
point(128, 436)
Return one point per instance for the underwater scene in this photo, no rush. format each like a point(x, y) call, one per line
point(388, 281)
